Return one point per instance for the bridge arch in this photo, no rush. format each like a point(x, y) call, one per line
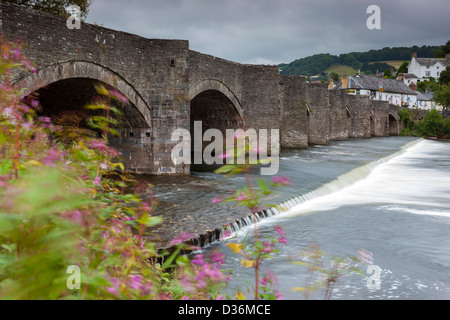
point(214, 106)
point(394, 124)
point(216, 85)
point(88, 70)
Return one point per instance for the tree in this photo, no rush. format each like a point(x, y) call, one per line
point(56, 7)
point(441, 95)
point(334, 76)
point(441, 52)
point(403, 68)
point(444, 78)
point(388, 74)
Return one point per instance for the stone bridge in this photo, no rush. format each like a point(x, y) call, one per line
point(170, 86)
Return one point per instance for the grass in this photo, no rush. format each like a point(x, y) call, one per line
point(395, 63)
point(341, 70)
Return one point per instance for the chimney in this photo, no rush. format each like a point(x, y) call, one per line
point(331, 84)
point(413, 86)
point(414, 55)
point(344, 82)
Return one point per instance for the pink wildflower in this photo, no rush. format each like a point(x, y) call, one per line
point(136, 282)
point(97, 181)
point(281, 181)
point(217, 200)
point(34, 103)
point(279, 230)
point(118, 96)
point(241, 197)
point(218, 257)
point(267, 247)
point(282, 239)
point(52, 156)
point(184, 236)
point(226, 233)
point(198, 259)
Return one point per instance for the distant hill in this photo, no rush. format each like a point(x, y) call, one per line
point(367, 62)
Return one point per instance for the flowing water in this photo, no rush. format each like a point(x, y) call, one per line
point(389, 196)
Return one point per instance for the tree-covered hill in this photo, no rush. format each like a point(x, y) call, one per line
point(368, 62)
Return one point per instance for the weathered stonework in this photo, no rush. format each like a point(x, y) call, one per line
point(170, 87)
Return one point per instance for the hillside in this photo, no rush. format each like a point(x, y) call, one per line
point(349, 63)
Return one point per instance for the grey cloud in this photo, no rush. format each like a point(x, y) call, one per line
point(275, 31)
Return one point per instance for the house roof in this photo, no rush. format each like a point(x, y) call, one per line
point(409, 76)
point(424, 96)
point(373, 83)
point(431, 61)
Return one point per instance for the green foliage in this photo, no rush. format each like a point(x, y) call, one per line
point(388, 74)
point(441, 95)
point(405, 116)
point(56, 7)
point(444, 77)
point(373, 68)
point(334, 76)
point(63, 205)
point(317, 64)
point(442, 51)
point(403, 68)
point(422, 86)
point(326, 276)
point(432, 125)
point(309, 66)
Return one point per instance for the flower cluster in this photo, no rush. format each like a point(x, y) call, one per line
point(203, 279)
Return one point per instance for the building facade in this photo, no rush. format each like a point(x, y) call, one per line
point(394, 91)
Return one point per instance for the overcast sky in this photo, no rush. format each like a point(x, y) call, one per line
point(278, 31)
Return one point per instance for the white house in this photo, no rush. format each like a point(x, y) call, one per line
point(424, 68)
point(424, 100)
point(378, 88)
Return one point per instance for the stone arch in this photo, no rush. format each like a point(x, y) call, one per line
point(395, 116)
point(394, 124)
point(211, 84)
point(84, 69)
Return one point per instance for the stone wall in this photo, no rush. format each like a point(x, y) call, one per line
point(151, 71)
point(338, 115)
point(294, 122)
point(170, 86)
point(380, 120)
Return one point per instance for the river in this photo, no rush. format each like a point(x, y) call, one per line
point(389, 196)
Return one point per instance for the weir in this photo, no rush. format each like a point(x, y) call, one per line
point(293, 205)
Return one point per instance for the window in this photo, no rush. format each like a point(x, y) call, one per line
point(438, 73)
point(427, 73)
point(428, 67)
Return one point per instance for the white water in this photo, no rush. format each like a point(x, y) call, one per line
point(397, 207)
point(391, 180)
